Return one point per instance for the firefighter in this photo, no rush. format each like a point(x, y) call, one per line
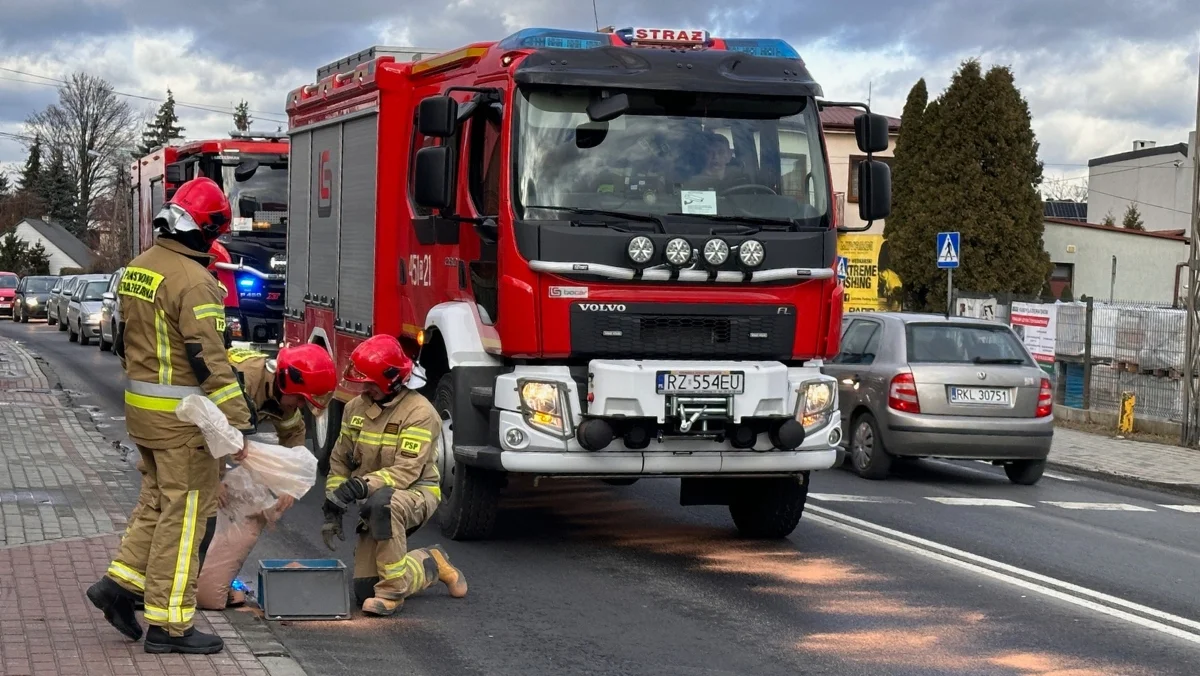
point(386, 457)
point(277, 389)
point(171, 346)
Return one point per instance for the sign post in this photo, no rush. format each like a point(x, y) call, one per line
point(947, 259)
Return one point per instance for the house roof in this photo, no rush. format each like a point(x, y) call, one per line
point(1177, 149)
point(842, 119)
point(65, 241)
point(1176, 235)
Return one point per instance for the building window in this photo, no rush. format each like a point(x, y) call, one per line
point(852, 181)
point(1062, 276)
point(793, 181)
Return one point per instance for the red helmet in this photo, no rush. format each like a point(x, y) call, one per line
point(381, 360)
point(306, 370)
point(200, 205)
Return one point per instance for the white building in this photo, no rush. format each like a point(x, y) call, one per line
point(1158, 179)
point(66, 251)
point(1112, 262)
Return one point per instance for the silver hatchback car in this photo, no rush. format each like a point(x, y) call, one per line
point(919, 385)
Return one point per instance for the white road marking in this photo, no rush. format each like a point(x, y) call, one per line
point(1060, 477)
point(830, 497)
point(979, 502)
point(1099, 506)
point(1048, 475)
point(1190, 509)
point(1018, 577)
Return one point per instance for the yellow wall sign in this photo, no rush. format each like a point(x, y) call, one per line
point(868, 279)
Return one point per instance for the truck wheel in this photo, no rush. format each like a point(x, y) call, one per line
point(323, 430)
point(470, 495)
point(1025, 472)
point(769, 509)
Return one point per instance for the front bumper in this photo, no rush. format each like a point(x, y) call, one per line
point(90, 329)
point(623, 389)
point(7, 306)
point(974, 438)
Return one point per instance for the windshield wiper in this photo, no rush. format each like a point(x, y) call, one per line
point(643, 218)
point(767, 223)
point(999, 360)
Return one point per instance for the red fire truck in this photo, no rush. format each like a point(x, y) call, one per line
point(252, 169)
point(612, 252)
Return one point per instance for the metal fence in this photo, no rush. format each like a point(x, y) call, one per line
point(1104, 349)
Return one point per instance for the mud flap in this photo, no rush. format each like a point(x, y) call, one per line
point(376, 514)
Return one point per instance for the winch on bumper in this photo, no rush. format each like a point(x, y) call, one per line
point(666, 418)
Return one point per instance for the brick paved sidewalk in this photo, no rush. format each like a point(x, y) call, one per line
point(65, 493)
point(1163, 465)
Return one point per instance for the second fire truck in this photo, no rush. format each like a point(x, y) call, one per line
point(252, 168)
point(613, 253)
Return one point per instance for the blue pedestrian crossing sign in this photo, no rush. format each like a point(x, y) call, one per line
point(947, 250)
point(843, 268)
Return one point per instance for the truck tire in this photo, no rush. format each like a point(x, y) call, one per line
point(769, 509)
point(470, 495)
point(323, 432)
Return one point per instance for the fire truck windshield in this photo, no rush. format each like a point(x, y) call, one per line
point(672, 153)
point(260, 202)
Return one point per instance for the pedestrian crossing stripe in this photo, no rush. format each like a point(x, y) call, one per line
point(1190, 509)
point(879, 499)
point(997, 502)
point(1099, 506)
point(979, 502)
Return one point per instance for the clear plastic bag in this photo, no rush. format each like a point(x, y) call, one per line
point(222, 439)
point(290, 471)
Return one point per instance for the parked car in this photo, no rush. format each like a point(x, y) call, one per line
point(110, 313)
point(83, 310)
point(8, 288)
point(32, 297)
point(55, 307)
point(917, 385)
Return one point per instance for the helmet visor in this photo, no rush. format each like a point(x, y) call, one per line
point(355, 376)
point(175, 219)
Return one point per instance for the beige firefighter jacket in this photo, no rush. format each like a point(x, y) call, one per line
point(172, 345)
point(258, 378)
point(393, 445)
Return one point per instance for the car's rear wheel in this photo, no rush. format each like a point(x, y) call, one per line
point(769, 509)
point(1025, 472)
point(868, 458)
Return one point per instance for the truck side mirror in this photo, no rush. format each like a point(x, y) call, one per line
point(871, 132)
point(437, 116)
point(874, 190)
point(434, 182)
point(174, 172)
point(245, 170)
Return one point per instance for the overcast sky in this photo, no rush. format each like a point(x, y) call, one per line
point(1097, 73)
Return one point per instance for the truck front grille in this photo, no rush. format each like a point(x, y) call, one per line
point(676, 331)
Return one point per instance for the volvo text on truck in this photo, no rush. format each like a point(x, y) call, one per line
point(613, 254)
point(252, 169)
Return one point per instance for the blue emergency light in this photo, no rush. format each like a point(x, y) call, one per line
point(554, 38)
point(773, 47)
point(247, 282)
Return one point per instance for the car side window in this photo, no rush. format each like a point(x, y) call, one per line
point(855, 341)
point(872, 347)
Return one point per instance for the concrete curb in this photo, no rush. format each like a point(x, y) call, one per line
point(1182, 490)
point(263, 643)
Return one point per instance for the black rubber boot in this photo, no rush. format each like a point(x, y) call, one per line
point(117, 604)
point(191, 643)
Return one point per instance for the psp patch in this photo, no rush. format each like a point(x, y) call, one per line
point(409, 448)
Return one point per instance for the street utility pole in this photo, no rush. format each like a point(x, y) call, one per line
point(1191, 394)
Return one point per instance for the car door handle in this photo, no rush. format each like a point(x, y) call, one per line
point(852, 380)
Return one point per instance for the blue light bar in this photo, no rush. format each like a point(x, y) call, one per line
point(762, 47)
point(554, 38)
point(246, 282)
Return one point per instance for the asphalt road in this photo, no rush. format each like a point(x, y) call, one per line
point(945, 568)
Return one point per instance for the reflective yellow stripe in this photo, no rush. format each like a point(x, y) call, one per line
point(183, 560)
point(124, 572)
point(406, 565)
point(333, 482)
point(209, 310)
point(162, 343)
point(238, 355)
point(161, 404)
point(395, 570)
point(385, 478)
point(158, 614)
point(436, 491)
point(291, 422)
point(225, 394)
point(417, 433)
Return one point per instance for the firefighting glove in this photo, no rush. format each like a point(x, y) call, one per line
point(349, 493)
point(333, 525)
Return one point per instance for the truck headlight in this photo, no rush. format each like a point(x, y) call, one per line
point(716, 252)
point(278, 262)
point(545, 406)
point(751, 253)
point(679, 252)
point(640, 249)
point(815, 406)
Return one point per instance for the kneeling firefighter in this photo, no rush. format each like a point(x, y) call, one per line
point(386, 457)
